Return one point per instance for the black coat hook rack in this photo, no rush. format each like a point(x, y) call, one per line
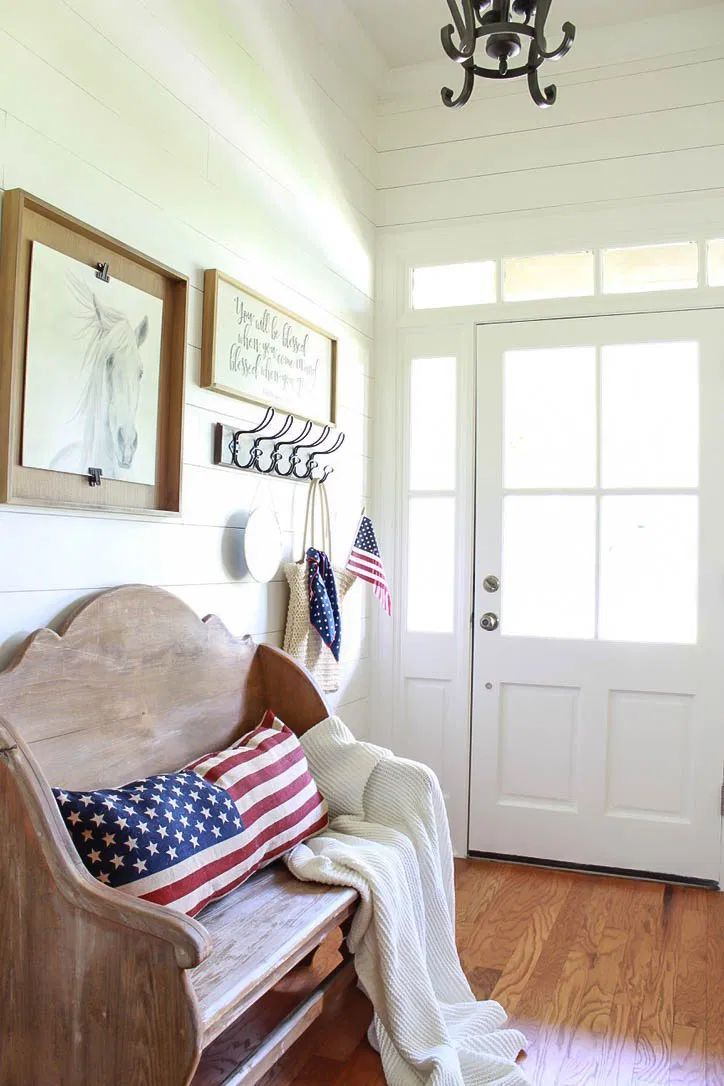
point(247, 451)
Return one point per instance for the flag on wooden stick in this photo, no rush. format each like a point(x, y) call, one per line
point(365, 562)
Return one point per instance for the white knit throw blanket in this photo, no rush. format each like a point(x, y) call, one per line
point(389, 839)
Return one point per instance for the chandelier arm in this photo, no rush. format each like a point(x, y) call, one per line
point(451, 49)
point(467, 89)
point(542, 96)
point(465, 26)
point(569, 33)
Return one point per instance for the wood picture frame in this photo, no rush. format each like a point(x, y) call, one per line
point(238, 365)
point(31, 226)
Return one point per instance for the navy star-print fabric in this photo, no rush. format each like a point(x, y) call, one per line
point(152, 828)
point(323, 603)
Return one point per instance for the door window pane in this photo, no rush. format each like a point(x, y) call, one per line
point(549, 566)
point(560, 275)
point(550, 418)
point(650, 267)
point(650, 415)
point(431, 565)
point(649, 562)
point(715, 263)
point(453, 284)
point(433, 438)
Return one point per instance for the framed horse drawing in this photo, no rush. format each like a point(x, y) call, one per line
point(92, 354)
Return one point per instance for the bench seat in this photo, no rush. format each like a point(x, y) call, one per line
point(259, 932)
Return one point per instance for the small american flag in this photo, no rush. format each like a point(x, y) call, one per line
point(365, 562)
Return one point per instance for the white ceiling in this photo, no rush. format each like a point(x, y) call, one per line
point(408, 31)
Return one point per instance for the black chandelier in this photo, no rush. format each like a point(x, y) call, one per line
point(495, 20)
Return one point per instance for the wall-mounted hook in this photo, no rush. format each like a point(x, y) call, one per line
point(312, 463)
point(295, 458)
point(276, 455)
point(226, 440)
point(256, 449)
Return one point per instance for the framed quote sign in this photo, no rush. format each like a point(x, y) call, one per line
point(257, 351)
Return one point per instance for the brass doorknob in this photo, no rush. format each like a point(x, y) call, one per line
point(489, 622)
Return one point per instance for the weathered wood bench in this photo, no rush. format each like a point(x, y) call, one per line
point(98, 988)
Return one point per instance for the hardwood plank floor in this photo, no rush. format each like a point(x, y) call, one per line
point(615, 982)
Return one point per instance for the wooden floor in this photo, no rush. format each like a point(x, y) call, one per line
point(614, 982)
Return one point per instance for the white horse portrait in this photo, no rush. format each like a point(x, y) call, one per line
point(92, 370)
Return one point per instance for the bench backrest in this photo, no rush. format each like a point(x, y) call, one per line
point(134, 684)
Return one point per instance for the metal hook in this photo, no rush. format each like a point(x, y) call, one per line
point(238, 434)
point(312, 462)
point(295, 459)
point(256, 449)
point(276, 456)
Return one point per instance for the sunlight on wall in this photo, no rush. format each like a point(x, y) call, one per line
point(279, 153)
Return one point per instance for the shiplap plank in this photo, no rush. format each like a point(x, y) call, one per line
point(244, 24)
point(329, 24)
point(593, 141)
point(67, 43)
point(195, 316)
point(222, 57)
point(57, 552)
point(354, 683)
point(355, 715)
point(3, 146)
point(53, 551)
point(691, 171)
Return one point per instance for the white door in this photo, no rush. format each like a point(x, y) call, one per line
point(598, 701)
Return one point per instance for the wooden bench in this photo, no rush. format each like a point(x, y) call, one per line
point(98, 988)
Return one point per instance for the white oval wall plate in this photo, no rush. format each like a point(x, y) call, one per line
point(262, 545)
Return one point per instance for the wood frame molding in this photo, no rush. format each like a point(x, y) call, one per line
point(27, 219)
point(212, 277)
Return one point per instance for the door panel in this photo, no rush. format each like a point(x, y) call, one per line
point(598, 717)
point(430, 720)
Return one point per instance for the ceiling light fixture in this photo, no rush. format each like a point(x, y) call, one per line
point(495, 20)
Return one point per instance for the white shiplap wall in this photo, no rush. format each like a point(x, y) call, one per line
point(206, 135)
point(633, 152)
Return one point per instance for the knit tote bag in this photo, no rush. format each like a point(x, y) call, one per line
point(301, 640)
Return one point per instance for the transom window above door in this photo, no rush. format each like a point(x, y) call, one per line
point(600, 492)
point(633, 269)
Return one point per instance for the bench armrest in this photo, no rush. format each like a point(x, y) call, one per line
point(290, 691)
point(190, 940)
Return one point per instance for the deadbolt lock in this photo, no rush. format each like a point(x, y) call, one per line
point(491, 583)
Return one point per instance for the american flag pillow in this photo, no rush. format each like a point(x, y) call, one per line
point(174, 838)
point(267, 776)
